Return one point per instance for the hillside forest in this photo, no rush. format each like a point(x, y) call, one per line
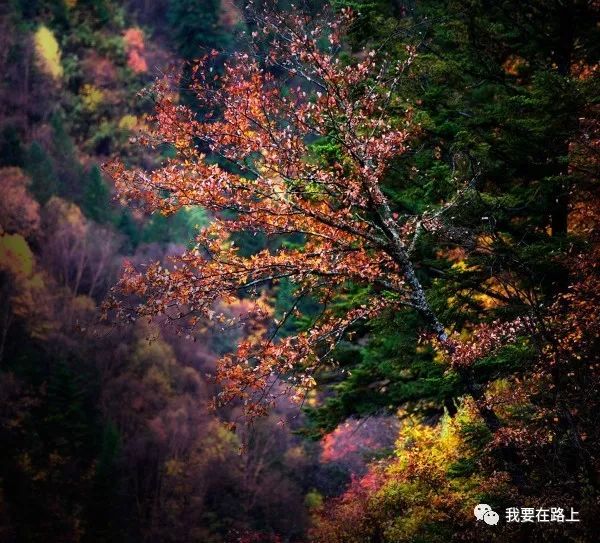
point(314, 272)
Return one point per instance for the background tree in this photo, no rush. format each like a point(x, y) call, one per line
point(196, 26)
point(96, 197)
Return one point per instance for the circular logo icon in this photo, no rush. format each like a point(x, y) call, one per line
point(480, 510)
point(491, 518)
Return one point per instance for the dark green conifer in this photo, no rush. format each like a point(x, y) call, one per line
point(96, 197)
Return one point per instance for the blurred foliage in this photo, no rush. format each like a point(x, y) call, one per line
point(48, 52)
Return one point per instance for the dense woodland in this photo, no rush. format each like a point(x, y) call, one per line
point(324, 272)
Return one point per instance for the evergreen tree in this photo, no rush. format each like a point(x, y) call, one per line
point(11, 148)
point(129, 228)
point(39, 166)
point(107, 510)
point(493, 91)
point(65, 157)
point(196, 27)
point(67, 421)
point(96, 197)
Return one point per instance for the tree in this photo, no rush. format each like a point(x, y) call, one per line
point(492, 101)
point(11, 147)
point(80, 254)
point(287, 187)
point(67, 165)
point(505, 87)
point(44, 183)
point(96, 197)
point(19, 212)
point(195, 25)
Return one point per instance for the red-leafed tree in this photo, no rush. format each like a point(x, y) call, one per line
point(260, 118)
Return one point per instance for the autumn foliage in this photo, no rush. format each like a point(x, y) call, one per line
point(268, 179)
